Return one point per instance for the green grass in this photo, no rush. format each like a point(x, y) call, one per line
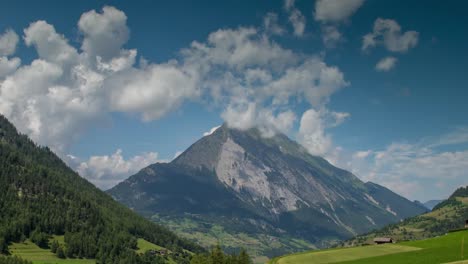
point(144, 246)
point(452, 247)
point(335, 256)
point(30, 251)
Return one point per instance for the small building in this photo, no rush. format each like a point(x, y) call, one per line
point(383, 240)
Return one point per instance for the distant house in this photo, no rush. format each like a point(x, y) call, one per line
point(383, 240)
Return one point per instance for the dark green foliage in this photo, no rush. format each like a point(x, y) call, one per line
point(452, 201)
point(460, 192)
point(13, 260)
point(41, 196)
point(217, 256)
point(40, 239)
point(60, 252)
point(54, 246)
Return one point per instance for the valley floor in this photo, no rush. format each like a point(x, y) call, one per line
point(450, 248)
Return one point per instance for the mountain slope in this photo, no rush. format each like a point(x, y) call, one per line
point(256, 185)
point(40, 196)
point(448, 215)
point(432, 203)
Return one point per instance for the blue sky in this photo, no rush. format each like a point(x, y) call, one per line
point(402, 124)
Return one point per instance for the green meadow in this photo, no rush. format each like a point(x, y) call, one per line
point(450, 248)
point(30, 251)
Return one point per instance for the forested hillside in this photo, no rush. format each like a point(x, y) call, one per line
point(40, 196)
point(447, 216)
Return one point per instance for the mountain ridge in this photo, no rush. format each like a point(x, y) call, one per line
point(270, 184)
point(447, 216)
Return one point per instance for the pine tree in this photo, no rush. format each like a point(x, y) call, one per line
point(217, 255)
point(60, 253)
point(244, 258)
point(54, 246)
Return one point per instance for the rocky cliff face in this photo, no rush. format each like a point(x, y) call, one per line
point(268, 184)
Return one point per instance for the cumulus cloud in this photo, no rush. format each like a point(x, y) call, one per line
point(108, 170)
point(296, 18)
point(386, 64)
point(312, 133)
point(50, 45)
point(331, 13)
point(73, 90)
point(335, 10)
point(271, 25)
point(252, 79)
point(331, 36)
point(153, 91)
point(8, 66)
point(8, 42)
point(387, 32)
point(245, 75)
point(247, 115)
point(104, 33)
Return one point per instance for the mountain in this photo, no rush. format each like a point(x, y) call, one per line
point(41, 198)
point(269, 190)
point(432, 203)
point(446, 216)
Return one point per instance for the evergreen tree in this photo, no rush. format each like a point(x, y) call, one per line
point(54, 246)
point(244, 258)
point(60, 252)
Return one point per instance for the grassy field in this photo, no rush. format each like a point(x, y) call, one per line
point(32, 252)
point(144, 246)
point(449, 248)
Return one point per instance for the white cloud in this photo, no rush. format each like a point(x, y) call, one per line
point(362, 154)
point(108, 170)
point(104, 33)
point(8, 66)
point(332, 13)
point(153, 91)
point(335, 10)
point(312, 133)
point(270, 24)
point(212, 130)
point(296, 18)
point(330, 36)
point(412, 169)
point(387, 32)
point(8, 42)
point(386, 64)
point(50, 46)
point(242, 72)
point(245, 115)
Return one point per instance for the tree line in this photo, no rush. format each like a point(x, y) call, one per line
point(41, 196)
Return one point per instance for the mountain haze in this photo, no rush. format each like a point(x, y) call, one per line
point(247, 183)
